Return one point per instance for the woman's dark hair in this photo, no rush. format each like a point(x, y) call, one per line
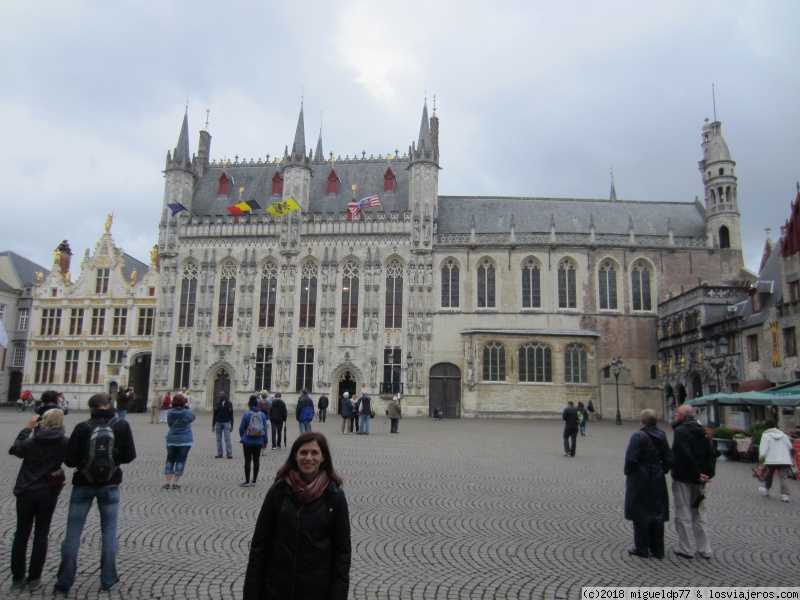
point(253, 402)
point(580, 405)
point(770, 423)
point(327, 462)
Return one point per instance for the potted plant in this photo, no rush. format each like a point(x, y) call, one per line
point(723, 438)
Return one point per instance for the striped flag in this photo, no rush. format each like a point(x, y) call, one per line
point(243, 207)
point(354, 208)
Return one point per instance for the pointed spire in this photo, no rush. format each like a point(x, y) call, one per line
point(318, 154)
point(613, 195)
point(424, 150)
point(299, 145)
point(182, 149)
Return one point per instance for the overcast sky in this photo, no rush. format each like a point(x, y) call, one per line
point(534, 99)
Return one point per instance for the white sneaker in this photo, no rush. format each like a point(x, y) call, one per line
point(785, 498)
point(764, 491)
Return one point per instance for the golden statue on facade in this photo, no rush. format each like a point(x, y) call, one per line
point(133, 276)
point(39, 276)
point(109, 221)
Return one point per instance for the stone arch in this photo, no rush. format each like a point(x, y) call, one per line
point(221, 378)
point(444, 390)
point(347, 378)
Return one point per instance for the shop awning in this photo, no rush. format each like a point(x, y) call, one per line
point(755, 385)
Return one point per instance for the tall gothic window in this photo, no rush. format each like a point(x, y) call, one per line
point(450, 284)
point(305, 368)
point(567, 285)
point(308, 295)
point(531, 286)
point(183, 364)
point(263, 368)
point(535, 363)
point(394, 295)
point(266, 304)
point(641, 295)
point(494, 362)
point(575, 364)
point(350, 275)
point(188, 295)
point(486, 298)
point(227, 295)
point(607, 283)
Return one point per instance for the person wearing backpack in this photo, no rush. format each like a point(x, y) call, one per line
point(253, 436)
point(304, 411)
point(96, 449)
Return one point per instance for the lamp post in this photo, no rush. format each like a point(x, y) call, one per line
point(401, 370)
point(616, 365)
point(709, 353)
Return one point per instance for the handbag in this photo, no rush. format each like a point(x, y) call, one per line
point(759, 472)
point(56, 479)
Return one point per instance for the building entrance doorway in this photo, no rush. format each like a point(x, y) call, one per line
point(445, 390)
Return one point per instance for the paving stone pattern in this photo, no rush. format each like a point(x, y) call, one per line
point(453, 509)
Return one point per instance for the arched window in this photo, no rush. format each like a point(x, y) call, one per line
point(724, 237)
point(227, 295)
point(567, 285)
point(494, 362)
point(308, 294)
point(333, 183)
point(486, 297)
point(277, 184)
point(394, 295)
point(641, 293)
point(531, 286)
point(535, 363)
point(350, 274)
point(388, 180)
point(224, 185)
point(575, 367)
point(266, 304)
point(607, 284)
point(450, 284)
point(188, 295)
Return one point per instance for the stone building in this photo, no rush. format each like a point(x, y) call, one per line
point(93, 334)
point(17, 277)
point(483, 306)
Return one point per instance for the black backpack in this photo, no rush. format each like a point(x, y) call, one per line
point(100, 466)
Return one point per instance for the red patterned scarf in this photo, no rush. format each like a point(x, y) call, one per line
point(307, 492)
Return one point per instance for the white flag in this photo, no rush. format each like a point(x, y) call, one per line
point(3, 336)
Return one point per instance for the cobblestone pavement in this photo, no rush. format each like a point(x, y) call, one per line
point(454, 509)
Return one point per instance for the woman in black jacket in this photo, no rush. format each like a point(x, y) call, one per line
point(301, 546)
point(36, 499)
point(647, 461)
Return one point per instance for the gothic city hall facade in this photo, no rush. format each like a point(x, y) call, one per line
point(354, 274)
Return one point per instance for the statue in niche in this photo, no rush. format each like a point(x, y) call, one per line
point(133, 277)
point(375, 326)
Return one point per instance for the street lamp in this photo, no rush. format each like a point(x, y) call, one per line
point(616, 365)
point(400, 369)
point(709, 353)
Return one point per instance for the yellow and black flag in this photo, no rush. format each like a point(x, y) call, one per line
point(282, 207)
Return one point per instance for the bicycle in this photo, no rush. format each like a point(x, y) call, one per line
point(26, 405)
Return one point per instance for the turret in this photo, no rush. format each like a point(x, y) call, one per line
point(722, 206)
point(297, 168)
point(424, 182)
point(179, 172)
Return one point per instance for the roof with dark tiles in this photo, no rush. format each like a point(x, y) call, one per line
point(25, 269)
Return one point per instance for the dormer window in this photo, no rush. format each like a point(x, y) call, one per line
point(389, 180)
point(277, 184)
point(224, 184)
point(333, 183)
point(756, 300)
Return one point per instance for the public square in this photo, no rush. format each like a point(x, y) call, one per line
point(453, 509)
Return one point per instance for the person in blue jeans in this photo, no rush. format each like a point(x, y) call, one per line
point(84, 492)
point(179, 440)
point(364, 409)
point(222, 423)
point(304, 411)
point(253, 435)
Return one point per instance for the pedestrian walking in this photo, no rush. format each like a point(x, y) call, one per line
point(775, 451)
point(155, 406)
point(36, 491)
point(179, 440)
point(253, 437)
point(365, 412)
point(590, 410)
point(570, 418)
point(304, 412)
point(301, 546)
point(394, 413)
point(693, 466)
point(322, 408)
point(346, 410)
point(97, 477)
point(583, 416)
point(278, 414)
point(647, 461)
point(124, 398)
point(222, 423)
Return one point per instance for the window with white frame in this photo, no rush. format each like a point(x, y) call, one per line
point(494, 362)
point(120, 321)
point(93, 361)
point(535, 363)
point(45, 366)
point(71, 359)
point(24, 317)
point(76, 321)
point(19, 356)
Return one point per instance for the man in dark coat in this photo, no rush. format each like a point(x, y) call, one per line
point(322, 408)
point(346, 410)
point(364, 410)
point(647, 461)
point(277, 417)
point(304, 417)
point(694, 464)
point(222, 423)
point(570, 418)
